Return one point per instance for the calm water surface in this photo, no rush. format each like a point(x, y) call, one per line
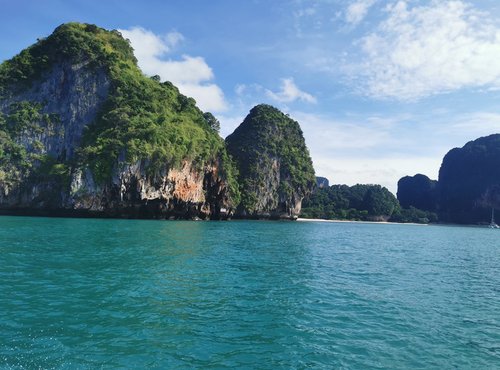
point(78, 293)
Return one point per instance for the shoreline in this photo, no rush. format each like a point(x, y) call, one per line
point(358, 222)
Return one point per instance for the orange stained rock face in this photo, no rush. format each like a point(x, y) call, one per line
point(188, 184)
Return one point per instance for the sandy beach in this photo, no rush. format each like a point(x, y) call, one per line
point(358, 222)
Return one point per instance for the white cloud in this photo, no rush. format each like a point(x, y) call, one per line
point(385, 171)
point(209, 97)
point(465, 127)
point(304, 12)
point(249, 90)
point(348, 151)
point(381, 149)
point(358, 10)
point(290, 93)
point(229, 123)
point(192, 75)
point(173, 38)
point(330, 134)
point(150, 46)
point(372, 149)
point(424, 50)
point(240, 89)
point(187, 70)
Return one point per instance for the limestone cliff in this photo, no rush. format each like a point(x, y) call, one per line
point(275, 166)
point(83, 132)
point(322, 182)
point(469, 181)
point(418, 191)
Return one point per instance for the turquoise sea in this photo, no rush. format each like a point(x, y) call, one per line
point(88, 293)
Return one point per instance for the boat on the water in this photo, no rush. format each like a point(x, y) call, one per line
point(492, 224)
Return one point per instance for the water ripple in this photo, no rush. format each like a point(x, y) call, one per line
point(268, 295)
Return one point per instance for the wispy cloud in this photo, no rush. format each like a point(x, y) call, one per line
point(466, 127)
point(385, 171)
point(192, 75)
point(330, 133)
point(418, 51)
point(290, 92)
point(347, 151)
point(230, 122)
point(358, 10)
point(377, 148)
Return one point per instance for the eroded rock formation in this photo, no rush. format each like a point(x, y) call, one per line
point(275, 167)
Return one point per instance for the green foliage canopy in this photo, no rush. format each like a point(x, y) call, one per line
point(358, 202)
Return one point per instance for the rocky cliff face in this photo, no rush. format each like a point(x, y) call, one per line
point(418, 191)
point(183, 192)
point(275, 167)
point(469, 181)
point(83, 132)
point(66, 100)
point(468, 186)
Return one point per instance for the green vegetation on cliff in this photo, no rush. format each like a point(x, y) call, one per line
point(273, 160)
point(17, 160)
point(80, 43)
point(360, 202)
point(141, 119)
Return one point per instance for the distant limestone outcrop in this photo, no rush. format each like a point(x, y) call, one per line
point(469, 181)
point(468, 186)
point(418, 191)
point(322, 182)
point(275, 168)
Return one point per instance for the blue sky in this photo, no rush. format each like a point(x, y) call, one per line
point(382, 89)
